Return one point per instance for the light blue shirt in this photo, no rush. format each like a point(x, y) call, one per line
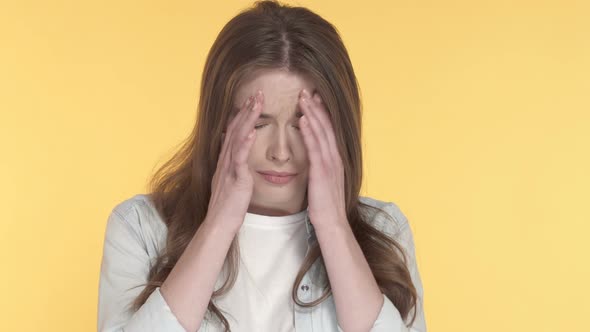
point(135, 235)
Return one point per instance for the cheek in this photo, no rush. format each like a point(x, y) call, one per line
point(252, 157)
point(303, 157)
point(256, 154)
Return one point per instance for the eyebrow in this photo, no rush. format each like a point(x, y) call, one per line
point(297, 114)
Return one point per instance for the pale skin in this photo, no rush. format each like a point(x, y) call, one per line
point(300, 143)
point(278, 144)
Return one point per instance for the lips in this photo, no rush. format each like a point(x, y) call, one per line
point(277, 178)
point(275, 173)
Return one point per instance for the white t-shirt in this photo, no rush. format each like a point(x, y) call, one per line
point(272, 249)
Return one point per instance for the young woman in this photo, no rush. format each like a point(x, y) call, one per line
point(256, 224)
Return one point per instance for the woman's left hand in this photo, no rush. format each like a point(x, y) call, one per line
point(325, 190)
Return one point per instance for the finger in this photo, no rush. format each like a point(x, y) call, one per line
point(327, 120)
point(235, 116)
point(247, 123)
point(226, 136)
point(319, 110)
point(245, 128)
point(316, 127)
point(313, 149)
point(242, 154)
point(227, 145)
point(316, 97)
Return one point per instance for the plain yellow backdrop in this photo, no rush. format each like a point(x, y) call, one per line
point(476, 123)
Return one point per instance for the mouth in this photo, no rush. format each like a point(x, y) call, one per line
point(277, 177)
point(275, 173)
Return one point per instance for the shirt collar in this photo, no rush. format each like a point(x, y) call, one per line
point(309, 228)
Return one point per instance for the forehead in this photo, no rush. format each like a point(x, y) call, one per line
point(281, 90)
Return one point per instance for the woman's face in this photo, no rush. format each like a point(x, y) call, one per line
point(278, 144)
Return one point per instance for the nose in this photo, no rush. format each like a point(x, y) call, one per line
point(279, 148)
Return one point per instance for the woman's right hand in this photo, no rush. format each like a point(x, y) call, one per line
point(232, 184)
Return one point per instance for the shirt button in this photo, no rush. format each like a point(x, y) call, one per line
point(304, 287)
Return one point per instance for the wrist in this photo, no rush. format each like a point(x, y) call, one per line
point(217, 228)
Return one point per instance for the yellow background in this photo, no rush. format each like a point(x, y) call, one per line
point(476, 123)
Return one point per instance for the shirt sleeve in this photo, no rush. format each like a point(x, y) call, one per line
point(389, 318)
point(124, 268)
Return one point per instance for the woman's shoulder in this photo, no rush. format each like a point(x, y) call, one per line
point(386, 216)
point(140, 216)
point(138, 208)
point(135, 202)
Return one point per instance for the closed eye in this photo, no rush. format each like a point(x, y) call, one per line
point(266, 124)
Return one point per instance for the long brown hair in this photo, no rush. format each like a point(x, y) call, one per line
point(271, 35)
